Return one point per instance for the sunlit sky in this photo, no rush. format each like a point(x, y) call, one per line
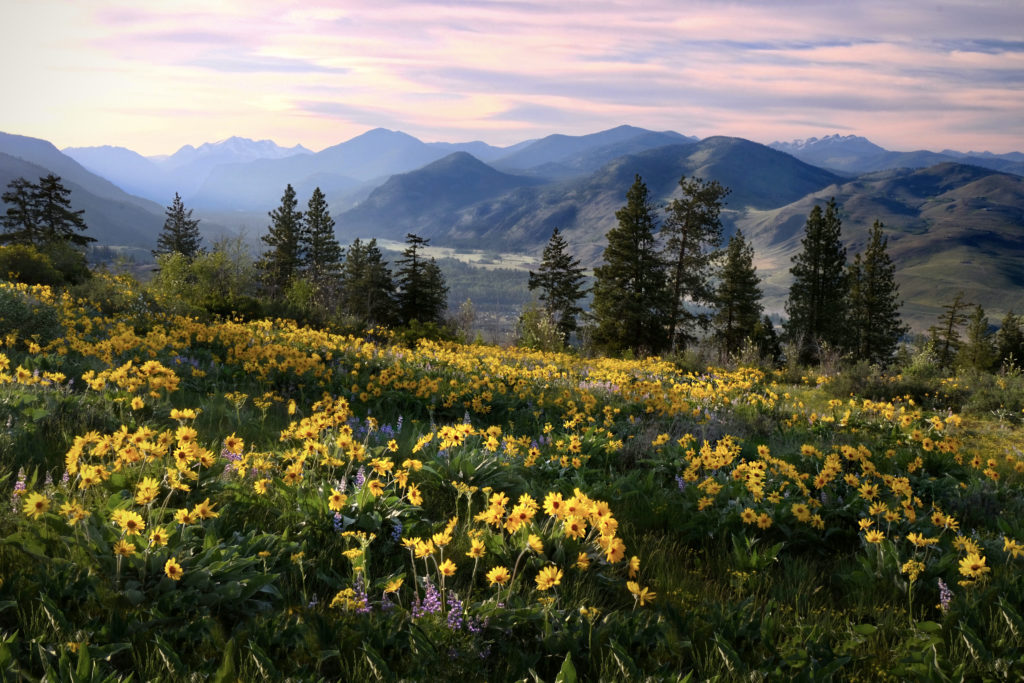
point(154, 75)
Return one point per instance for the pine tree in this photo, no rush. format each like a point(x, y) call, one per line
point(945, 336)
point(738, 297)
point(1010, 340)
point(422, 292)
point(180, 234)
point(368, 290)
point(693, 234)
point(41, 214)
point(281, 263)
point(874, 303)
point(321, 251)
point(978, 352)
point(560, 281)
point(21, 222)
point(817, 298)
point(631, 297)
point(57, 220)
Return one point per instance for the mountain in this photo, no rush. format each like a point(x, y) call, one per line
point(564, 156)
point(420, 201)
point(109, 221)
point(258, 185)
point(129, 170)
point(234, 150)
point(159, 178)
point(951, 227)
point(852, 154)
point(44, 154)
point(522, 217)
point(114, 217)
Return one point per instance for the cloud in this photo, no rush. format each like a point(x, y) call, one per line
point(914, 74)
point(231, 62)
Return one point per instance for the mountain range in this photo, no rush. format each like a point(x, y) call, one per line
point(955, 220)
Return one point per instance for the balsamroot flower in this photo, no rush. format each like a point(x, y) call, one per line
point(548, 577)
point(173, 570)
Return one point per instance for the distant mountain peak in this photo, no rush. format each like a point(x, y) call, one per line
point(852, 142)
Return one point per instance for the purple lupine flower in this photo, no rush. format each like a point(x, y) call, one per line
point(454, 611)
point(360, 477)
point(361, 597)
point(945, 596)
point(430, 604)
point(338, 522)
point(680, 482)
point(396, 531)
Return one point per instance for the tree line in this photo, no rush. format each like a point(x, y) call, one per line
point(305, 273)
point(663, 285)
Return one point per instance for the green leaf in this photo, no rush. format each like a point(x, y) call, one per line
point(226, 672)
point(928, 627)
point(567, 674)
point(865, 629)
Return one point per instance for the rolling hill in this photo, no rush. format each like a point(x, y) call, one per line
point(951, 227)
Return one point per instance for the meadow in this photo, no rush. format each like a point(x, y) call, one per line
point(253, 500)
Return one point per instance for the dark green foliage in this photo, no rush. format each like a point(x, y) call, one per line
point(739, 296)
point(282, 260)
point(367, 286)
point(631, 297)
point(817, 298)
point(422, 292)
point(692, 233)
point(946, 335)
point(874, 305)
point(25, 263)
point(26, 318)
point(180, 233)
point(769, 346)
point(322, 253)
point(20, 223)
point(979, 350)
point(1010, 340)
point(41, 213)
point(560, 281)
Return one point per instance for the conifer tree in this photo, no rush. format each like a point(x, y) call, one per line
point(631, 297)
point(281, 262)
point(738, 297)
point(945, 336)
point(817, 297)
point(693, 234)
point(180, 234)
point(978, 352)
point(41, 214)
point(322, 255)
point(422, 292)
point(368, 290)
point(874, 304)
point(1010, 340)
point(560, 281)
point(20, 223)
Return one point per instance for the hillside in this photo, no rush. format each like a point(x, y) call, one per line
point(853, 155)
point(110, 222)
point(422, 201)
point(951, 227)
point(584, 208)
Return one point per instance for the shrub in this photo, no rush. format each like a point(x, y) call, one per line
point(23, 315)
point(25, 263)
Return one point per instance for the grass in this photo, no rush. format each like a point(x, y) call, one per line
point(743, 502)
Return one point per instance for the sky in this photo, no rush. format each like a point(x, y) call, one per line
point(155, 75)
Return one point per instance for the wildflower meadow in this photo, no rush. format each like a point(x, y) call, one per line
point(233, 499)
